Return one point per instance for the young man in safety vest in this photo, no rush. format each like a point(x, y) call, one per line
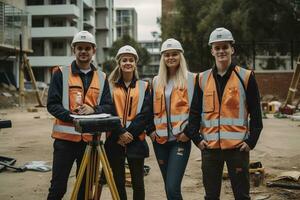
point(77, 89)
point(225, 97)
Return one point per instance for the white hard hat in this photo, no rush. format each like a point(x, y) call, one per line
point(171, 44)
point(83, 36)
point(127, 49)
point(220, 35)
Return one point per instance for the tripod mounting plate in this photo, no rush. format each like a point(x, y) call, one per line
point(96, 125)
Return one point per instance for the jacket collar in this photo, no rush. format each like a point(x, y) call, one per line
point(131, 85)
point(228, 72)
point(75, 69)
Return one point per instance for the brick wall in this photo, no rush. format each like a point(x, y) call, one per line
point(275, 83)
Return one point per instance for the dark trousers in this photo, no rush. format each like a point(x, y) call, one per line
point(172, 158)
point(65, 153)
point(116, 157)
point(238, 170)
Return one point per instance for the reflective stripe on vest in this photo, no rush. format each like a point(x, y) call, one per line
point(220, 126)
point(65, 73)
point(224, 121)
point(164, 133)
point(68, 128)
point(241, 121)
point(225, 135)
point(174, 118)
point(65, 129)
point(202, 86)
point(142, 85)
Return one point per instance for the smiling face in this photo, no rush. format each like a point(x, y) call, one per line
point(127, 63)
point(172, 59)
point(222, 51)
point(84, 52)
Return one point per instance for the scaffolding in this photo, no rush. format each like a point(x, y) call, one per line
point(13, 22)
point(15, 41)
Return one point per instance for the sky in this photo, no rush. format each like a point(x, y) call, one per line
point(147, 12)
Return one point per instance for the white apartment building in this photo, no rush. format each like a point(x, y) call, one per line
point(153, 47)
point(126, 22)
point(54, 23)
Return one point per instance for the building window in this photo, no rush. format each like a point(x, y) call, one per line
point(39, 73)
point(37, 22)
point(38, 47)
point(57, 22)
point(73, 23)
point(74, 2)
point(119, 32)
point(156, 58)
point(34, 2)
point(58, 48)
point(58, 2)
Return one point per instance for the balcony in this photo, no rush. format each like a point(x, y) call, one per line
point(88, 4)
point(54, 10)
point(89, 22)
point(54, 32)
point(102, 4)
point(50, 61)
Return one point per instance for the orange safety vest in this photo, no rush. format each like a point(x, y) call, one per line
point(224, 125)
point(179, 108)
point(129, 104)
point(72, 84)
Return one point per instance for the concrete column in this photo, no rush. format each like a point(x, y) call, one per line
point(47, 75)
point(47, 47)
point(69, 50)
point(80, 19)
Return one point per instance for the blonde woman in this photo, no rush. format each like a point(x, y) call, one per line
point(172, 93)
point(131, 98)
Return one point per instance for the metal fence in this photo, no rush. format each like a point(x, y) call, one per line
point(13, 22)
point(259, 56)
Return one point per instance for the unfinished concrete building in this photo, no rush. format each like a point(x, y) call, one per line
point(14, 25)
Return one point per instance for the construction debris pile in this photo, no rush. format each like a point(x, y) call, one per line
point(9, 95)
point(277, 109)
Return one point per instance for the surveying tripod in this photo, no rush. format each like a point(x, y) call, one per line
point(93, 155)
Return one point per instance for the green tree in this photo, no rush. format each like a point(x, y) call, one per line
point(255, 20)
point(144, 56)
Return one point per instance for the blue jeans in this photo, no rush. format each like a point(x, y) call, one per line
point(172, 158)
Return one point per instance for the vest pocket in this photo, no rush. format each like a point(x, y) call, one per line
point(231, 98)
point(209, 101)
point(95, 92)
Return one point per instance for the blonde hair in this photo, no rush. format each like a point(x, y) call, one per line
point(116, 74)
point(180, 78)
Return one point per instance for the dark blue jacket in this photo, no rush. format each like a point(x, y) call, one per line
point(137, 148)
point(54, 102)
point(252, 100)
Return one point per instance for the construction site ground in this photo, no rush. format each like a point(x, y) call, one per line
point(29, 140)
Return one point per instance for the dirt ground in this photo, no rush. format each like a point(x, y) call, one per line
point(29, 140)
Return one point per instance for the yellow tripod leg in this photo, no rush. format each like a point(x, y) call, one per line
point(83, 165)
point(96, 181)
point(88, 176)
point(108, 175)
